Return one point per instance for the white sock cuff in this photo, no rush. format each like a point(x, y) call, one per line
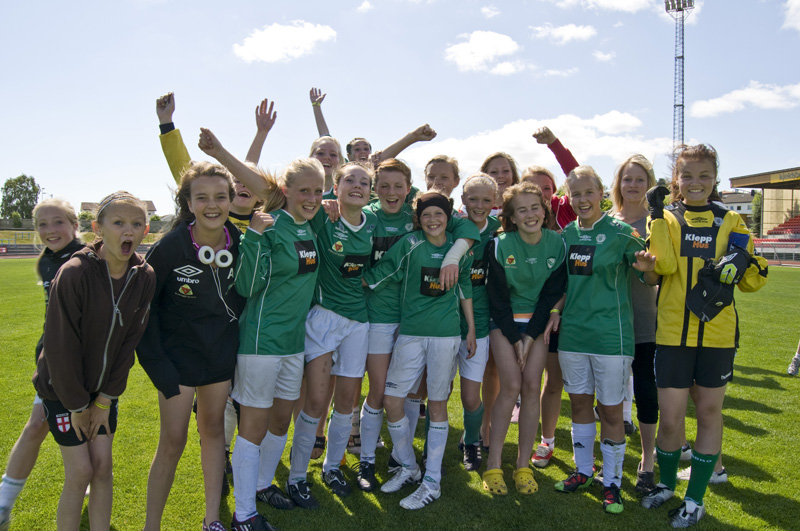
point(402, 423)
point(584, 430)
point(369, 411)
point(304, 418)
point(341, 418)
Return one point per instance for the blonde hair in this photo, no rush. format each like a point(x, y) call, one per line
point(585, 171)
point(642, 162)
point(63, 205)
point(274, 198)
point(321, 140)
point(530, 171)
point(508, 158)
point(448, 160)
point(121, 197)
point(514, 191)
point(341, 171)
point(480, 179)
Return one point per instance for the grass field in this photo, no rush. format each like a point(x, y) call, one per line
point(761, 413)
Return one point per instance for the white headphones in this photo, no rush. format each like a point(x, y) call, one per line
point(207, 255)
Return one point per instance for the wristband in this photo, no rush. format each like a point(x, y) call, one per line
point(555, 310)
point(102, 406)
point(315, 104)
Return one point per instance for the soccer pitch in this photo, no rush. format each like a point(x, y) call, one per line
point(761, 414)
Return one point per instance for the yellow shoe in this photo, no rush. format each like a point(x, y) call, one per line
point(523, 480)
point(493, 482)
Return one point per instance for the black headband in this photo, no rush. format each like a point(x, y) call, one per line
point(434, 199)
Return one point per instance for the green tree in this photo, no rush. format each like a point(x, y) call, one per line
point(19, 195)
point(16, 219)
point(755, 218)
point(86, 215)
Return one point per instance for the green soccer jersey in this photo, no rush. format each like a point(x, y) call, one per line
point(426, 309)
point(344, 252)
point(598, 316)
point(277, 272)
point(480, 300)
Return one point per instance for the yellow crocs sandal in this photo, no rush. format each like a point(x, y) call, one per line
point(493, 482)
point(523, 480)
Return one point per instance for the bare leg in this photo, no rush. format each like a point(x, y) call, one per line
point(211, 401)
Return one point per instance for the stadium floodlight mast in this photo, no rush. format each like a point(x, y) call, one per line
point(679, 10)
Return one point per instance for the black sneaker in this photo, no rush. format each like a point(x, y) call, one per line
point(256, 523)
point(274, 496)
point(300, 493)
point(472, 457)
point(334, 479)
point(681, 517)
point(630, 427)
point(393, 465)
point(366, 476)
point(645, 483)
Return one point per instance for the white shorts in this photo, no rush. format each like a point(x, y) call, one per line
point(604, 376)
point(474, 367)
point(327, 331)
point(260, 379)
point(412, 355)
point(381, 338)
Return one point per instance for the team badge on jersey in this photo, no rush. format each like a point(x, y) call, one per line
point(551, 262)
point(580, 259)
point(186, 290)
point(338, 247)
point(600, 238)
point(430, 285)
point(511, 260)
point(699, 242)
point(352, 265)
point(63, 423)
point(307, 261)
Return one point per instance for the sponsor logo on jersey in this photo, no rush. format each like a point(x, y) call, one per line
point(551, 262)
point(391, 229)
point(352, 265)
point(188, 271)
point(63, 423)
point(381, 244)
point(698, 220)
point(437, 256)
point(511, 260)
point(580, 259)
point(477, 273)
point(340, 235)
point(185, 290)
point(307, 259)
point(337, 247)
point(600, 238)
point(430, 285)
point(636, 233)
point(698, 241)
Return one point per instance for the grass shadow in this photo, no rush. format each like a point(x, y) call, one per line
point(745, 404)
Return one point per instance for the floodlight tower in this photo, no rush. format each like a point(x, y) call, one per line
point(679, 10)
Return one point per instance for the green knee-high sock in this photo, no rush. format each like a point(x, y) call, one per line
point(668, 467)
point(427, 426)
point(472, 425)
point(702, 468)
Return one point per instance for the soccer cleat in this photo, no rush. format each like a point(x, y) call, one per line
point(300, 493)
point(274, 496)
point(794, 366)
point(612, 501)
point(681, 517)
point(472, 457)
point(5, 518)
point(716, 477)
point(334, 479)
point(657, 496)
point(686, 452)
point(542, 456)
point(256, 523)
point(393, 465)
point(366, 476)
point(215, 526)
point(630, 427)
point(402, 477)
point(645, 483)
point(575, 481)
point(421, 497)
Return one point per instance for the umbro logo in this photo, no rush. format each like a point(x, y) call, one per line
point(188, 271)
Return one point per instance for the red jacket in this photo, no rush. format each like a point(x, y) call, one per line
point(89, 337)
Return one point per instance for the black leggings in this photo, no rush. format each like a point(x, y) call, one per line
point(644, 383)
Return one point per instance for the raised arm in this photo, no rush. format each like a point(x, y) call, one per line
point(423, 133)
point(171, 141)
point(564, 156)
point(249, 177)
point(317, 98)
point(265, 119)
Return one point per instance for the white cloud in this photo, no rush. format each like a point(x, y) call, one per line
point(792, 9)
point(760, 95)
point(563, 34)
point(627, 6)
point(281, 43)
point(602, 140)
point(560, 73)
point(603, 57)
point(489, 11)
point(482, 51)
point(364, 7)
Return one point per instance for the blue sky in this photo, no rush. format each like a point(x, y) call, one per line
point(81, 79)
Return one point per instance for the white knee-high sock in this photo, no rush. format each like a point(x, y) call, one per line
point(411, 408)
point(271, 452)
point(338, 433)
point(371, 422)
point(437, 440)
point(305, 434)
point(613, 455)
point(402, 449)
point(583, 446)
point(9, 491)
point(245, 478)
